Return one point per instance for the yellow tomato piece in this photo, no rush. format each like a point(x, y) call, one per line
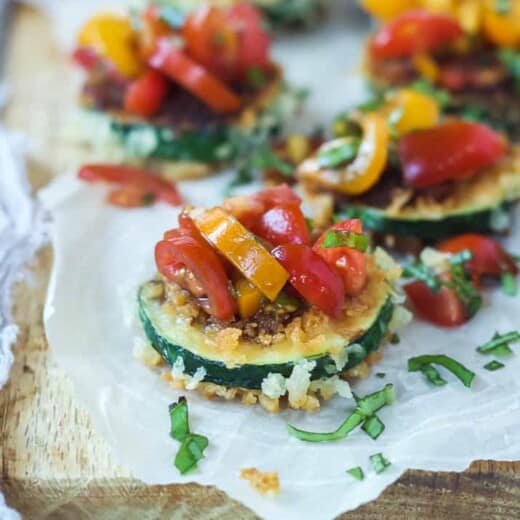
point(243, 250)
point(249, 298)
point(364, 171)
point(502, 29)
point(298, 147)
point(113, 37)
point(426, 67)
point(413, 111)
point(388, 9)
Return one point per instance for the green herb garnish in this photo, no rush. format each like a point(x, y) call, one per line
point(432, 374)
point(366, 408)
point(498, 345)
point(338, 238)
point(511, 59)
point(379, 462)
point(417, 364)
point(148, 199)
point(338, 152)
point(508, 281)
point(494, 365)
point(256, 76)
point(423, 86)
point(356, 473)
point(192, 445)
point(373, 427)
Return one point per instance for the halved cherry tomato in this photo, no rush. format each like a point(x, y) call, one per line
point(284, 224)
point(452, 151)
point(145, 95)
point(350, 263)
point(312, 277)
point(186, 247)
point(193, 77)
point(226, 41)
point(136, 185)
point(414, 32)
point(489, 258)
point(443, 308)
point(86, 57)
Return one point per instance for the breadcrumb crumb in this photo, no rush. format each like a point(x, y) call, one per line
point(266, 483)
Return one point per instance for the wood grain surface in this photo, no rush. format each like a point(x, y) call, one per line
point(53, 465)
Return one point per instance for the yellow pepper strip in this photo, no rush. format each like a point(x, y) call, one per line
point(364, 171)
point(388, 9)
point(298, 148)
point(426, 67)
point(242, 249)
point(249, 298)
point(502, 29)
point(112, 37)
point(414, 111)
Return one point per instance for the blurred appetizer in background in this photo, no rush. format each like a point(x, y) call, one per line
point(468, 50)
point(192, 91)
point(251, 303)
point(406, 171)
point(278, 13)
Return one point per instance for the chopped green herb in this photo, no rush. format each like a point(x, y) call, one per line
point(511, 59)
point(338, 152)
point(373, 426)
point(502, 6)
point(379, 463)
point(509, 284)
point(499, 344)
point(515, 257)
point(356, 473)
point(432, 374)
point(419, 271)
point(366, 407)
point(338, 238)
point(459, 258)
point(343, 126)
point(371, 104)
point(148, 199)
point(381, 375)
point(256, 76)
point(192, 445)
point(418, 363)
point(179, 424)
point(285, 300)
point(494, 365)
point(395, 339)
point(423, 86)
point(190, 452)
point(462, 284)
point(310, 225)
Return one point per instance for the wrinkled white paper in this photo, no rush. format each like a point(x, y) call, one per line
point(103, 253)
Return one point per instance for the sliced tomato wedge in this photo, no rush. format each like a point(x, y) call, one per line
point(443, 308)
point(312, 277)
point(452, 151)
point(177, 65)
point(283, 224)
point(137, 187)
point(414, 32)
point(145, 95)
point(185, 247)
point(350, 263)
point(489, 258)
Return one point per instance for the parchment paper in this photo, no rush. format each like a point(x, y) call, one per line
point(103, 253)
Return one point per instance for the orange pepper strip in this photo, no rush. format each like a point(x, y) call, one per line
point(242, 249)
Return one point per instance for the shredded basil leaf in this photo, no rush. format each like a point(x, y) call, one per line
point(190, 452)
point(338, 153)
point(366, 407)
point(466, 291)
point(423, 273)
point(373, 427)
point(432, 374)
point(379, 462)
point(499, 344)
point(423, 86)
point(179, 423)
point(338, 238)
point(509, 284)
point(356, 473)
point(418, 363)
point(494, 365)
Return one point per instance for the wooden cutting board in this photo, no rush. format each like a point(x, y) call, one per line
point(53, 465)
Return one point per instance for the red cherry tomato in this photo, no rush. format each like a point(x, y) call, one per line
point(350, 263)
point(489, 258)
point(193, 77)
point(414, 32)
point(283, 225)
point(454, 150)
point(136, 185)
point(277, 195)
point(86, 57)
point(311, 276)
point(153, 28)
point(443, 308)
point(145, 95)
point(185, 247)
